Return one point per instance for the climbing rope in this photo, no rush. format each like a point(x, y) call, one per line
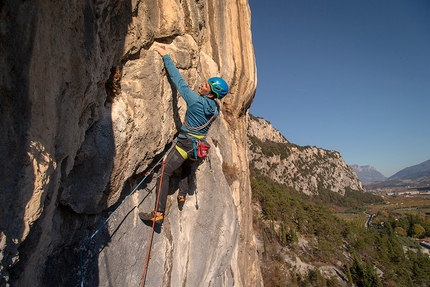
point(148, 253)
point(83, 246)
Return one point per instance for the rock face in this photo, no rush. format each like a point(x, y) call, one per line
point(263, 130)
point(306, 169)
point(87, 110)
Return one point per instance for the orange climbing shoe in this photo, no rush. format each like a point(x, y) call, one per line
point(181, 198)
point(158, 217)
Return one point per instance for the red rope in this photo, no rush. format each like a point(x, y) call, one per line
point(145, 269)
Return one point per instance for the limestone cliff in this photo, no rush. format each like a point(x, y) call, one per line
point(87, 109)
point(307, 169)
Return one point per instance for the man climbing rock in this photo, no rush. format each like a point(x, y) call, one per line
point(202, 110)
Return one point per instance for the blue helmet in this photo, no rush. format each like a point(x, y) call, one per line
point(219, 87)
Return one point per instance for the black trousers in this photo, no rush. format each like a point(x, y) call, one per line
point(174, 161)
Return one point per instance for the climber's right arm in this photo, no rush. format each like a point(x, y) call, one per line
point(176, 77)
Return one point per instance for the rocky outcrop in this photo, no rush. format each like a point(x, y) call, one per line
point(306, 169)
point(87, 109)
point(263, 130)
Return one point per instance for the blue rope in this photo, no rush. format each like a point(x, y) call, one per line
point(83, 246)
point(82, 268)
point(125, 199)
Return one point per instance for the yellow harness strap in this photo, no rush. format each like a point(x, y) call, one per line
point(196, 135)
point(184, 152)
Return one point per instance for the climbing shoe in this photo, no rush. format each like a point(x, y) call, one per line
point(152, 216)
point(181, 198)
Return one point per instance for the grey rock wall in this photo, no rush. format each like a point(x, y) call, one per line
point(87, 110)
point(263, 130)
point(305, 168)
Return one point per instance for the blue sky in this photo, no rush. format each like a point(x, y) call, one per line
point(350, 76)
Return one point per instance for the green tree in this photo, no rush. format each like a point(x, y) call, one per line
point(357, 271)
point(420, 268)
point(316, 278)
point(348, 275)
point(417, 231)
point(292, 236)
point(403, 222)
point(264, 243)
point(400, 231)
point(371, 279)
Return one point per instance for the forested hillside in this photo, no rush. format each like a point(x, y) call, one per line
point(304, 243)
point(334, 239)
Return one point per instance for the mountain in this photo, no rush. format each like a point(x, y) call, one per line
point(416, 176)
point(307, 169)
point(368, 173)
point(417, 172)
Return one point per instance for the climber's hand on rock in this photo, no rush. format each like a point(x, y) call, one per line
point(160, 51)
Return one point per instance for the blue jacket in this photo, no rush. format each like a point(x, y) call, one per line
point(200, 109)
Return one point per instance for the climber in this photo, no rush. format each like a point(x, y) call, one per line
point(202, 110)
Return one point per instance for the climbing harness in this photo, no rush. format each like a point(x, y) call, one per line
point(83, 246)
point(200, 147)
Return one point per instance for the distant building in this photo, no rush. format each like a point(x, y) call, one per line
point(410, 192)
point(425, 244)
